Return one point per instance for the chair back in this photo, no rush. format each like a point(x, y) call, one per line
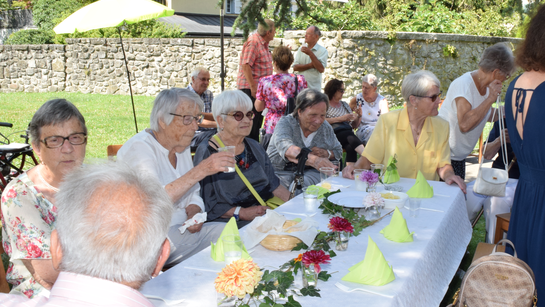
point(112, 151)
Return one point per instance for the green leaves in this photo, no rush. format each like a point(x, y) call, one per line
point(310, 291)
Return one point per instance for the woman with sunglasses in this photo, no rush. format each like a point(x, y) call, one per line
point(468, 103)
point(59, 136)
point(225, 194)
point(163, 150)
point(340, 117)
point(415, 134)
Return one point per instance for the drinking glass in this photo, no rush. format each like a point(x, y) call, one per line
point(232, 248)
point(230, 149)
point(326, 173)
point(360, 185)
point(311, 199)
point(337, 164)
point(414, 206)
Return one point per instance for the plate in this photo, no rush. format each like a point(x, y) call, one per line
point(349, 199)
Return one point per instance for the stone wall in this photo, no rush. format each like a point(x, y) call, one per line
point(96, 65)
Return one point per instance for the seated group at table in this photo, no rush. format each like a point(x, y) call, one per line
point(202, 189)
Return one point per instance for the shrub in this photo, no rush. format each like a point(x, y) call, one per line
point(45, 12)
point(30, 37)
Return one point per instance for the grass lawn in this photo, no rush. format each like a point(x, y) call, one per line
point(109, 118)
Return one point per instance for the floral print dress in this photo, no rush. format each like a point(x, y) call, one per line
point(275, 90)
point(27, 222)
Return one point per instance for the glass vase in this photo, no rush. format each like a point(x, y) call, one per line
point(371, 187)
point(371, 213)
point(310, 277)
point(341, 240)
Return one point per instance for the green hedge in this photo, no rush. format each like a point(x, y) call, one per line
point(31, 37)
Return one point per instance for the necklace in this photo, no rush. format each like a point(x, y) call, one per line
point(240, 159)
point(46, 183)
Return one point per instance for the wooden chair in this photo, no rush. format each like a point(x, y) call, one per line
point(502, 224)
point(112, 151)
point(4, 286)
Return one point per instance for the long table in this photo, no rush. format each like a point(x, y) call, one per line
point(423, 268)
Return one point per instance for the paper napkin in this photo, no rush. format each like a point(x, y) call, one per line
point(421, 188)
point(373, 270)
point(321, 190)
point(216, 251)
point(391, 176)
point(397, 230)
point(196, 219)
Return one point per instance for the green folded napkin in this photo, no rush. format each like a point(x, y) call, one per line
point(397, 230)
point(320, 190)
point(274, 202)
point(217, 249)
point(421, 188)
point(391, 175)
point(373, 270)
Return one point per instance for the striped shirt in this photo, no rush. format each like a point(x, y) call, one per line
point(255, 53)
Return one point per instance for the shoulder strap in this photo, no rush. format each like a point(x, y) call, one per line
point(296, 86)
point(246, 182)
point(501, 126)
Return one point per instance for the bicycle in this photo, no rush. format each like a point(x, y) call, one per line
point(13, 156)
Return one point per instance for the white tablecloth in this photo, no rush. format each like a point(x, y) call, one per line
point(423, 268)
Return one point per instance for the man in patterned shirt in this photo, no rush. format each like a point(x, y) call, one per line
point(200, 79)
point(255, 63)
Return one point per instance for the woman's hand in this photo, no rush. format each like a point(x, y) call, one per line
point(191, 210)
point(216, 163)
point(322, 162)
point(250, 213)
point(456, 179)
point(495, 88)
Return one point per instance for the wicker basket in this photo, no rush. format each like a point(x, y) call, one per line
point(281, 242)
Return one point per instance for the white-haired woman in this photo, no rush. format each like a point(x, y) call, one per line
point(59, 137)
point(163, 151)
point(372, 104)
point(415, 134)
point(469, 101)
point(225, 194)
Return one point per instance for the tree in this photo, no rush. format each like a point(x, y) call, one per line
point(477, 17)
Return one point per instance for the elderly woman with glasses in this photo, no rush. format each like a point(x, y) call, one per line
point(59, 136)
point(306, 127)
point(226, 194)
point(372, 104)
point(163, 150)
point(414, 134)
point(340, 117)
point(467, 106)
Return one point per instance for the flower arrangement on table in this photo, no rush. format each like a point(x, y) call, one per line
point(342, 229)
point(370, 178)
point(244, 280)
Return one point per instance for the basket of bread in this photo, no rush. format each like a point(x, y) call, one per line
point(282, 242)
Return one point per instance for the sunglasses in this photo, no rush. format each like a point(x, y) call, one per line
point(432, 97)
point(239, 115)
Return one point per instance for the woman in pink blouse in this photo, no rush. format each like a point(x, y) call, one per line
point(273, 91)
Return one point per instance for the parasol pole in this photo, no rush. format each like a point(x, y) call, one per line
point(128, 77)
point(222, 74)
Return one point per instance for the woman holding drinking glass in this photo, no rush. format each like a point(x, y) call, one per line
point(225, 194)
point(59, 137)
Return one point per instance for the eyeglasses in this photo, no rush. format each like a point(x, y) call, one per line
point(432, 97)
point(188, 119)
point(341, 90)
point(57, 141)
point(239, 115)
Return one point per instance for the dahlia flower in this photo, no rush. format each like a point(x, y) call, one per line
point(316, 258)
point(238, 278)
point(338, 223)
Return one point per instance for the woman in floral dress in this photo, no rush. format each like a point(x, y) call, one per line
point(59, 135)
point(273, 91)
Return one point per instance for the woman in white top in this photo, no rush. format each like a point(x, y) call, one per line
point(467, 106)
point(372, 105)
point(163, 150)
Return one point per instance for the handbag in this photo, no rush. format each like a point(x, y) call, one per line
point(290, 103)
point(272, 203)
point(492, 181)
point(498, 279)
